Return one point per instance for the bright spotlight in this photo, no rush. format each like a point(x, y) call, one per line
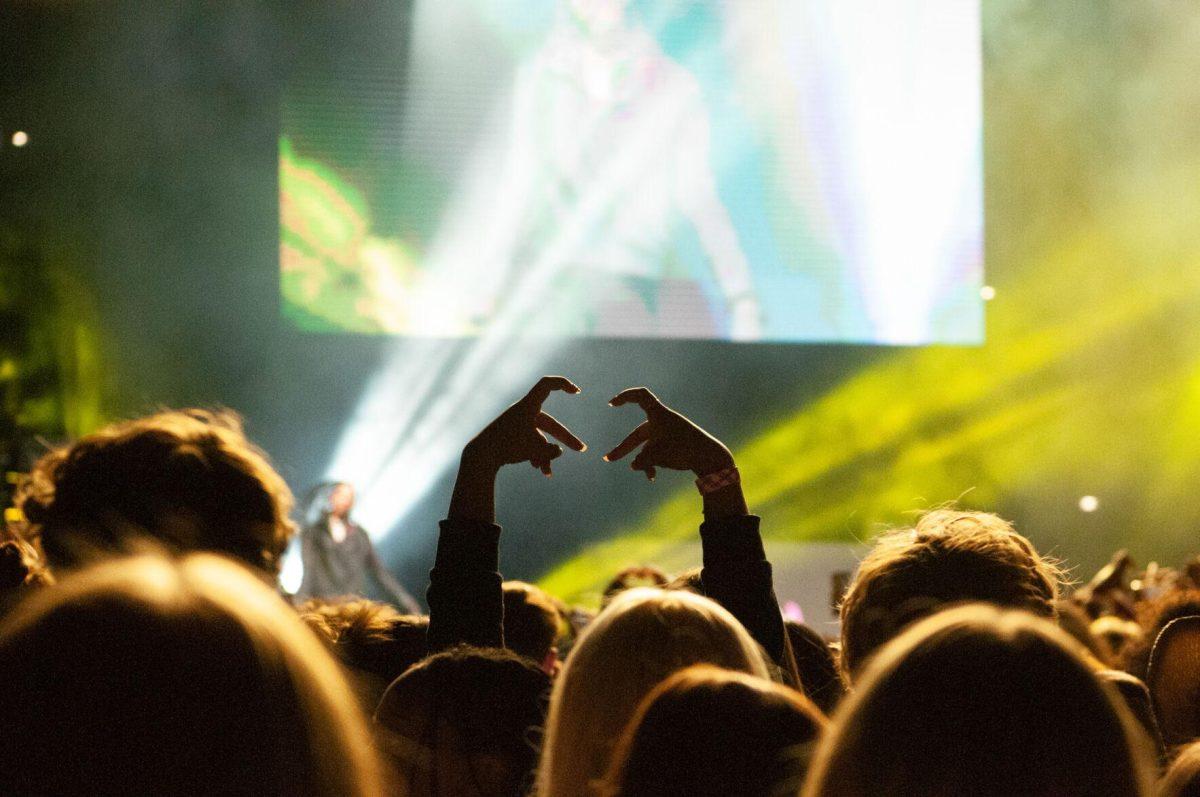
point(20, 138)
point(1089, 503)
point(987, 293)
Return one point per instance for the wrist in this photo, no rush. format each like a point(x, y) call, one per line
point(477, 461)
point(729, 501)
point(713, 462)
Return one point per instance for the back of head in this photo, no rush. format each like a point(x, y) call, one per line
point(465, 722)
point(642, 637)
point(1174, 680)
point(1117, 635)
point(631, 578)
point(374, 641)
point(531, 622)
point(689, 580)
point(816, 665)
point(1183, 777)
point(707, 731)
point(978, 702)
point(1153, 616)
point(949, 557)
point(189, 480)
point(143, 676)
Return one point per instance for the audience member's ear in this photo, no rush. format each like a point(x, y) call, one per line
point(1174, 680)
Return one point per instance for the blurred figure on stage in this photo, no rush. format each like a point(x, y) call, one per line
point(609, 157)
point(338, 556)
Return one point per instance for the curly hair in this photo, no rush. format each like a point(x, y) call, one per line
point(948, 557)
point(186, 480)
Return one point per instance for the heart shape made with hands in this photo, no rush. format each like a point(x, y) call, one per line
point(667, 438)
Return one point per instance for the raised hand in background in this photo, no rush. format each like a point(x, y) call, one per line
point(466, 599)
point(669, 440)
point(517, 435)
point(736, 572)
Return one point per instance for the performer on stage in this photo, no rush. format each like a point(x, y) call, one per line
point(338, 555)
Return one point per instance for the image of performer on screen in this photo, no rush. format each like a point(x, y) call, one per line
point(338, 556)
point(609, 160)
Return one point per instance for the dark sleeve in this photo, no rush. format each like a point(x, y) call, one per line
point(737, 575)
point(388, 582)
point(466, 603)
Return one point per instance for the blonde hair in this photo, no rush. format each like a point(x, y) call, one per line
point(643, 636)
point(980, 701)
point(144, 674)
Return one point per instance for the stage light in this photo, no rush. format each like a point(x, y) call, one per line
point(1089, 503)
point(20, 138)
point(987, 293)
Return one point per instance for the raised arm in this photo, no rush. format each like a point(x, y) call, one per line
point(466, 603)
point(736, 572)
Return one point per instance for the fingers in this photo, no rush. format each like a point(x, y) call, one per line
point(546, 452)
point(541, 460)
point(551, 426)
point(637, 395)
point(634, 439)
point(538, 394)
point(645, 461)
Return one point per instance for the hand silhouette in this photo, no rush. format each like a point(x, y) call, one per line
point(519, 433)
point(671, 440)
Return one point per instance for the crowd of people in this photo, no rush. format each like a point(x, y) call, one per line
point(145, 647)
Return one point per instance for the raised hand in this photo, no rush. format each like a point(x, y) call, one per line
point(670, 440)
point(519, 433)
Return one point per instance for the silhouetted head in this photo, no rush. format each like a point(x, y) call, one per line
point(187, 480)
point(708, 731)
point(642, 637)
point(949, 557)
point(1174, 680)
point(689, 580)
point(464, 723)
point(532, 624)
point(978, 702)
point(630, 578)
point(374, 641)
point(1117, 635)
point(1153, 617)
point(146, 676)
point(816, 665)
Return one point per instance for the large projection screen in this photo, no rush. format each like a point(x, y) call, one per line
point(750, 170)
